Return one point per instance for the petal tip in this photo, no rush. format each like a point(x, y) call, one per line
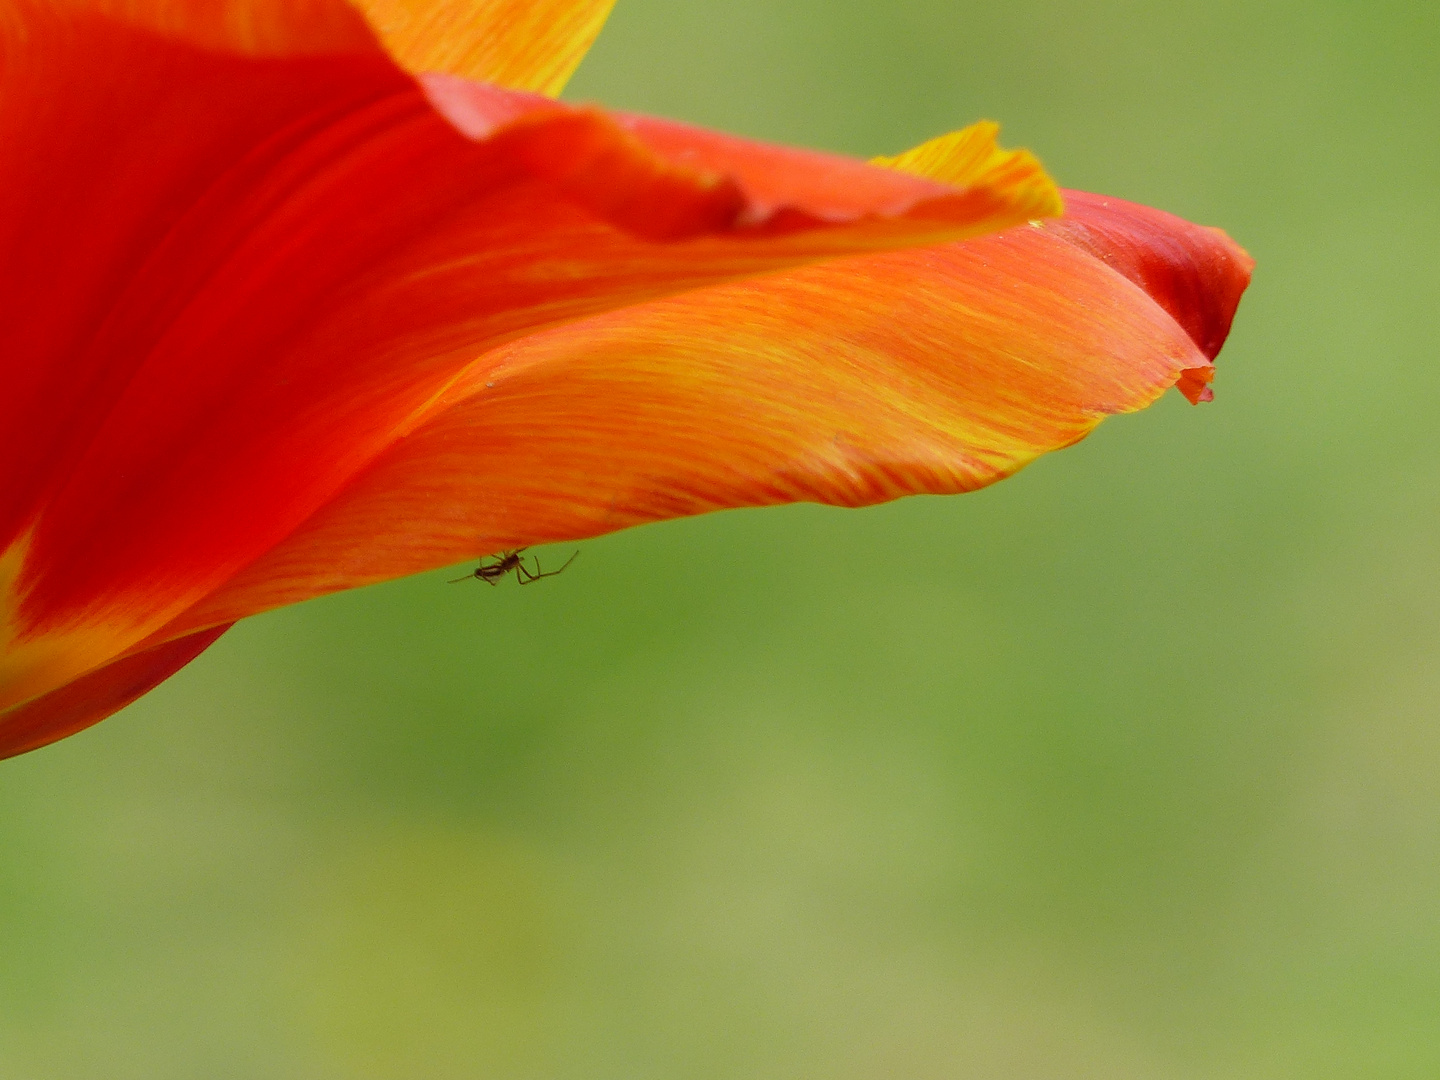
point(1194, 383)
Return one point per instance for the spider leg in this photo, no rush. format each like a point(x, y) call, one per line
point(552, 573)
point(564, 566)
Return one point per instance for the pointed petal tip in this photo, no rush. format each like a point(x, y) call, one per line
point(1194, 383)
point(91, 698)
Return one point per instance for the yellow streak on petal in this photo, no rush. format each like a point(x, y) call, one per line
point(524, 44)
point(31, 666)
point(971, 158)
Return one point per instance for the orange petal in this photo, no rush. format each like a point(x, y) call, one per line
point(91, 698)
point(216, 316)
point(1198, 282)
point(852, 382)
point(525, 44)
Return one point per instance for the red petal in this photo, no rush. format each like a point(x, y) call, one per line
point(1196, 274)
point(232, 283)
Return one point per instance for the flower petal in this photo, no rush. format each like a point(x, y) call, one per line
point(91, 698)
point(233, 283)
point(852, 382)
point(965, 156)
point(1197, 278)
point(525, 44)
point(1197, 274)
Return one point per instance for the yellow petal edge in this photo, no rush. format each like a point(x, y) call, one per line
point(971, 157)
point(524, 44)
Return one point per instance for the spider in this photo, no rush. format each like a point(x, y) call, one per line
point(508, 562)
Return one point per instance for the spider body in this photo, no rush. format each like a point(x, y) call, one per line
point(511, 562)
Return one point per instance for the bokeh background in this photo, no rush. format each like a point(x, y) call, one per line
point(1128, 767)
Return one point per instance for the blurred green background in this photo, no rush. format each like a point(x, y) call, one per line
point(1125, 768)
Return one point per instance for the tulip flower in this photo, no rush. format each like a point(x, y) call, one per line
point(301, 295)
